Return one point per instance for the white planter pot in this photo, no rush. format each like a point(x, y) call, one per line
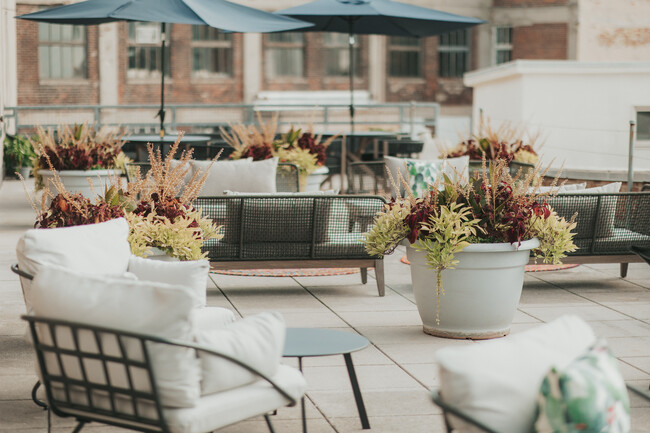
point(481, 293)
point(311, 182)
point(76, 181)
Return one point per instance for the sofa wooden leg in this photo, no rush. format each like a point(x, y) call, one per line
point(364, 275)
point(379, 275)
point(624, 270)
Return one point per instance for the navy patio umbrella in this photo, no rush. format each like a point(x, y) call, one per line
point(377, 17)
point(220, 14)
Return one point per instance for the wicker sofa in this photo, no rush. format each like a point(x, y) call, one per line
point(292, 231)
point(608, 225)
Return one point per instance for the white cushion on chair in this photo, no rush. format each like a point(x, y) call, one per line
point(242, 175)
point(192, 274)
point(212, 317)
point(497, 381)
point(255, 340)
point(218, 410)
point(100, 249)
point(138, 306)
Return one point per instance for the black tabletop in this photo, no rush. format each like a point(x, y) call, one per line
point(168, 138)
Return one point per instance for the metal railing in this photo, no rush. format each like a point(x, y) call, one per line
point(403, 117)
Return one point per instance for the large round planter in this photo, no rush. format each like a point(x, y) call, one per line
point(76, 181)
point(312, 181)
point(481, 293)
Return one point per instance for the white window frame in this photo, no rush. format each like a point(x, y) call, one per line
point(500, 46)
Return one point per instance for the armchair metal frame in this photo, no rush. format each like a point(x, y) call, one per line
point(448, 409)
point(89, 412)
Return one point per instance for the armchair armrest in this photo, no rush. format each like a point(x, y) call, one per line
point(449, 409)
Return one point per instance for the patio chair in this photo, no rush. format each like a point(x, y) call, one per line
point(494, 386)
point(103, 249)
point(136, 364)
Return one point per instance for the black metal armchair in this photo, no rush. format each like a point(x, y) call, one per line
point(117, 400)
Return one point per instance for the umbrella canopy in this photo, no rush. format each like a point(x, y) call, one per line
point(219, 14)
point(375, 17)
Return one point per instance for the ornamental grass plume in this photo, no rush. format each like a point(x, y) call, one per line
point(304, 149)
point(164, 216)
point(505, 143)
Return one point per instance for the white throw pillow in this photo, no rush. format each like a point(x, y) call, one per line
point(297, 194)
point(212, 317)
point(144, 307)
point(192, 274)
point(242, 175)
point(255, 340)
point(101, 249)
point(573, 187)
point(610, 187)
point(497, 381)
point(457, 169)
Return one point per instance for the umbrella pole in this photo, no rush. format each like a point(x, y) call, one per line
point(161, 112)
point(351, 71)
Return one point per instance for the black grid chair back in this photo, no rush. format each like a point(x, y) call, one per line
point(97, 374)
point(287, 177)
point(133, 169)
point(368, 178)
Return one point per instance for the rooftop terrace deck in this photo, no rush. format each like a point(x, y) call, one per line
point(395, 372)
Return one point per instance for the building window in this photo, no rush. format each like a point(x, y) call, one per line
point(211, 52)
point(453, 53)
point(337, 56)
point(502, 45)
point(62, 51)
point(144, 52)
point(285, 55)
point(643, 125)
point(404, 56)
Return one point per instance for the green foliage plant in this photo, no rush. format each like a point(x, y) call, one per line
point(18, 152)
point(450, 216)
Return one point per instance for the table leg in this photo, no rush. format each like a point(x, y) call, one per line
point(357, 392)
point(302, 401)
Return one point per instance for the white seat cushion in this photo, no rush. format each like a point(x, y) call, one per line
point(497, 381)
point(101, 249)
point(242, 175)
point(256, 340)
point(217, 410)
point(138, 306)
point(192, 274)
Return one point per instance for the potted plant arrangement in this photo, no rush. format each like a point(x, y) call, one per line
point(162, 222)
point(303, 149)
point(468, 245)
point(18, 154)
point(505, 143)
point(78, 155)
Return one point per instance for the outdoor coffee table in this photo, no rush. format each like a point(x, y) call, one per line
point(307, 342)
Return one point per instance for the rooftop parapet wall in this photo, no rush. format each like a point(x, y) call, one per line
point(582, 108)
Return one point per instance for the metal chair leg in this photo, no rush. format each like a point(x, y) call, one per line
point(268, 423)
point(624, 269)
point(35, 398)
point(364, 275)
point(79, 426)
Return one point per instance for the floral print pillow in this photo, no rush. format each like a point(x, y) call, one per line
point(423, 173)
point(588, 396)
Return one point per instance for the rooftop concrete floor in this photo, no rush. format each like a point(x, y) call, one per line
point(396, 371)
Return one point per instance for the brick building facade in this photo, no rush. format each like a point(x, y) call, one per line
point(434, 72)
